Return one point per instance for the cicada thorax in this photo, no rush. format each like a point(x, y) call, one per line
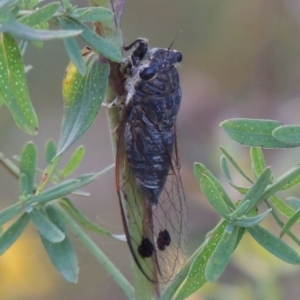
point(148, 146)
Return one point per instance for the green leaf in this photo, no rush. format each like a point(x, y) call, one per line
point(93, 14)
point(50, 151)
point(225, 170)
point(9, 212)
point(98, 43)
point(28, 4)
point(45, 26)
point(282, 207)
point(196, 278)
point(62, 189)
point(23, 184)
point(8, 3)
point(200, 169)
point(47, 174)
point(274, 245)
point(253, 132)
point(214, 197)
point(40, 15)
point(294, 202)
point(28, 165)
point(288, 134)
point(83, 97)
point(258, 188)
point(13, 232)
point(73, 50)
point(280, 183)
point(80, 218)
point(13, 86)
point(62, 254)
point(246, 222)
point(291, 183)
point(258, 161)
point(290, 222)
point(15, 28)
point(234, 163)
point(219, 259)
point(73, 163)
point(46, 228)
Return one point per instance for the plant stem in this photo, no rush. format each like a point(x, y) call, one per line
point(99, 255)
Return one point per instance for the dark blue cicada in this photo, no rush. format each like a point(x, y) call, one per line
point(147, 158)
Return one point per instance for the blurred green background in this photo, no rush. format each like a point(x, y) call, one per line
point(241, 58)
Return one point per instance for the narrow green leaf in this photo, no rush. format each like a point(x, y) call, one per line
point(44, 26)
point(274, 245)
point(47, 174)
point(288, 134)
point(62, 254)
point(62, 189)
point(293, 202)
point(23, 184)
point(93, 14)
point(67, 5)
point(13, 232)
point(200, 169)
point(28, 4)
point(50, 151)
point(213, 196)
point(80, 218)
point(196, 277)
point(258, 161)
point(28, 165)
point(73, 163)
point(242, 208)
point(13, 86)
point(56, 192)
point(73, 50)
point(282, 207)
point(258, 188)
point(19, 30)
point(290, 222)
point(9, 212)
point(40, 15)
point(45, 227)
point(99, 44)
point(83, 97)
point(225, 170)
point(246, 222)
point(219, 259)
point(280, 183)
point(234, 163)
point(291, 183)
point(8, 3)
point(253, 132)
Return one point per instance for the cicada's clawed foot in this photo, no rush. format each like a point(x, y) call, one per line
point(117, 102)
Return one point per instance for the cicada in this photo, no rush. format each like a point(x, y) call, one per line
point(149, 185)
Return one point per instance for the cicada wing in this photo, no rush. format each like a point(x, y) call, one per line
point(171, 226)
point(156, 233)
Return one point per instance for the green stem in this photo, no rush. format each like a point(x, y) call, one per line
point(280, 183)
point(99, 255)
point(144, 289)
point(9, 166)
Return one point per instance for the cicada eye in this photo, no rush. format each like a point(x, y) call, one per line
point(178, 57)
point(147, 73)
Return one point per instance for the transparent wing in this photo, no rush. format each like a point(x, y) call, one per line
point(156, 233)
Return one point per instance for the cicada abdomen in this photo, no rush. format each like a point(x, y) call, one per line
point(147, 158)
